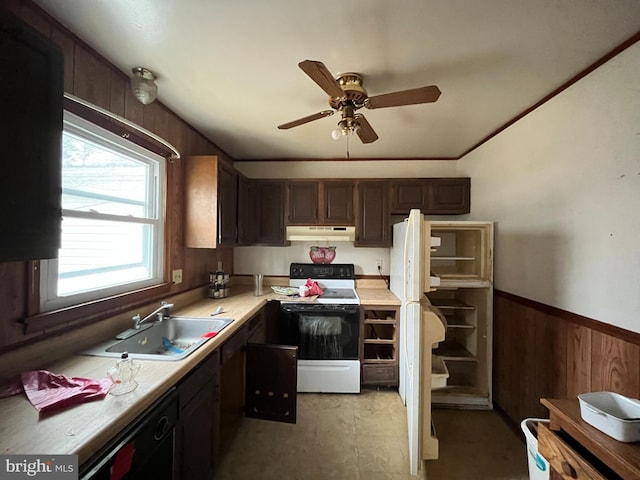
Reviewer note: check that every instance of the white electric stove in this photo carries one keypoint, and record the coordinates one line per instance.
(326, 330)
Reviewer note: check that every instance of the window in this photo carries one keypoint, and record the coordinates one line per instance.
(112, 218)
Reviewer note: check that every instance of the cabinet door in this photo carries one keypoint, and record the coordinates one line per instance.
(372, 216)
(337, 204)
(303, 203)
(246, 211)
(31, 99)
(272, 382)
(227, 204)
(197, 430)
(193, 437)
(270, 198)
(449, 196)
(408, 194)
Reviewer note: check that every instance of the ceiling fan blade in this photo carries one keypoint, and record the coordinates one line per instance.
(310, 118)
(322, 76)
(365, 131)
(405, 97)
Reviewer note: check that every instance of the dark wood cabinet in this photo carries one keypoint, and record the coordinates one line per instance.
(270, 209)
(227, 204)
(337, 203)
(407, 194)
(324, 202)
(432, 196)
(211, 202)
(196, 433)
(231, 387)
(372, 214)
(449, 196)
(31, 102)
(246, 211)
(303, 202)
(257, 379)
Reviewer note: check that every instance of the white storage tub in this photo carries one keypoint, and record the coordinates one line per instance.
(439, 372)
(614, 414)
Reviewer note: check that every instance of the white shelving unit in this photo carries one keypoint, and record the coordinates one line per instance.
(463, 262)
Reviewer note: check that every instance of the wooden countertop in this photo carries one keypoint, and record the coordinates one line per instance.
(377, 296)
(84, 429)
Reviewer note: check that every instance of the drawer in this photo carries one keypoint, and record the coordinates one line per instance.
(204, 374)
(384, 374)
(564, 459)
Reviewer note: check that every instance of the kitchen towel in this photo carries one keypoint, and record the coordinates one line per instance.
(49, 391)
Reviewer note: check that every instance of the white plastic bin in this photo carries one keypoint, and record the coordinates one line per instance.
(538, 466)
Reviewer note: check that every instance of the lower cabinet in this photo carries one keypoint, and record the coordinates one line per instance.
(257, 377)
(196, 432)
(379, 357)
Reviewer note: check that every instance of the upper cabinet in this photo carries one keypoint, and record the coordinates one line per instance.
(372, 217)
(407, 194)
(270, 211)
(211, 202)
(303, 202)
(246, 211)
(433, 196)
(449, 196)
(325, 202)
(31, 99)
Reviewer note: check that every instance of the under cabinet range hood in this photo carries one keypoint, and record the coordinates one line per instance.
(316, 233)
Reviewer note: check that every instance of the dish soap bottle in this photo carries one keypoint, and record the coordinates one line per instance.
(123, 375)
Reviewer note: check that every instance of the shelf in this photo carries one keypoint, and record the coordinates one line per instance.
(381, 352)
(450, 303)
(454, 259)
(379, 341)
(455, 323)
(451, 350)
(379, 321)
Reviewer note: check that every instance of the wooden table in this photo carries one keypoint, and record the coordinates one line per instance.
(576, 450)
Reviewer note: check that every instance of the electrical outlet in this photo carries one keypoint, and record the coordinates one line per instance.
(379, 264)
(176, 276)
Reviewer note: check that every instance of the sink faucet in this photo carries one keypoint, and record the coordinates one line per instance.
(161, 312)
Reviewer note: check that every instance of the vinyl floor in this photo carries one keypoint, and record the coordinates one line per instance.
(363, 437)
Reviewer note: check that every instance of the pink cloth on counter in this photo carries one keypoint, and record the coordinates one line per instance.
(49, 391)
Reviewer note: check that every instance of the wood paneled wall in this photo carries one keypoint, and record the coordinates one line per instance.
(540, 351)
(89, 76)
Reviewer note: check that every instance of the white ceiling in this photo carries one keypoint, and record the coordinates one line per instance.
(229, 67)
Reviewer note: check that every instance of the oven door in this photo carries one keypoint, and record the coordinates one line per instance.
(321, 331)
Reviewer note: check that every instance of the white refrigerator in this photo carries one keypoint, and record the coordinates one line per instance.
(406, 283)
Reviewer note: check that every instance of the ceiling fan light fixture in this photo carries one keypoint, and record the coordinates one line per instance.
(143, 85)
(336, 133)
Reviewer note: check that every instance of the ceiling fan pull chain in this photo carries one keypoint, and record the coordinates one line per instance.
(348, 147)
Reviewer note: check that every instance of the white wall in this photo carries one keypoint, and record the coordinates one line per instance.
(276, 260)
(563, 186)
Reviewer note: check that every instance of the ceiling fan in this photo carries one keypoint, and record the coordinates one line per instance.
(347, 95)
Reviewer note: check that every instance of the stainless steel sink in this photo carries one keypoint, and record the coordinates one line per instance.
(172, 339)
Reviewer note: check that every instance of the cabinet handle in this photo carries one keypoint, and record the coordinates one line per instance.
(569, 470)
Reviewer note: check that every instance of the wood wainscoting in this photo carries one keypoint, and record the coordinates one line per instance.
(542, 351)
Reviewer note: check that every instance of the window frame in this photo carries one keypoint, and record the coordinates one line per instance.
(48, 275)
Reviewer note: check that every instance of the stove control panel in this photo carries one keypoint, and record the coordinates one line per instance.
(338, 271)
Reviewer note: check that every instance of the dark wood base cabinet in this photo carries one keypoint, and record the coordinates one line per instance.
(196, 434)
